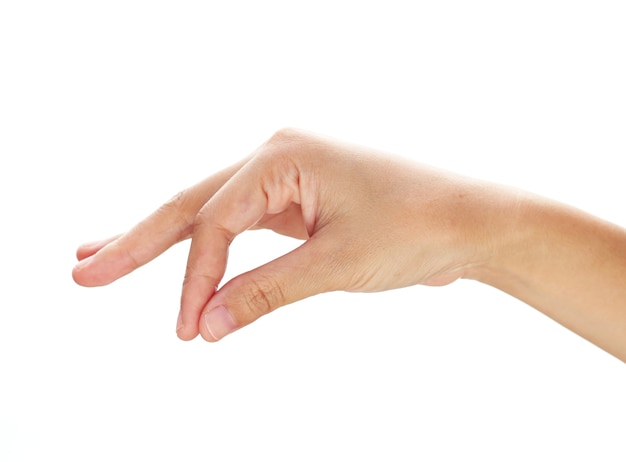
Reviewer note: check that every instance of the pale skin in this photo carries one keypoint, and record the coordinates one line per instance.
(369, 222)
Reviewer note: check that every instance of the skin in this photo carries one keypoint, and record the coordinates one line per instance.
(372, 222)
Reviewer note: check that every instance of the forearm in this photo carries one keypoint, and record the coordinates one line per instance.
(566, 263)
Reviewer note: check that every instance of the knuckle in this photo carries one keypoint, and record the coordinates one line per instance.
(177, 203)
(192, 277)
(261, 297)
(177, 199)
(176, 209)
(285, 134)
(286, 141)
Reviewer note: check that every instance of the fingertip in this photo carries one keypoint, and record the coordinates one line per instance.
(185, 336)
(78, 272)
(91, 273)
(184, 331)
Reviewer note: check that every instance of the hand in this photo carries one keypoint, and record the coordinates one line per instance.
(370, 222)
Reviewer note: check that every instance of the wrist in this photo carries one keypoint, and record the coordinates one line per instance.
(505, 235)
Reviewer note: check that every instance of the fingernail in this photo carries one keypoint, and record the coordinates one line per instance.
(82, 264)
(179, 322)
(219, 322)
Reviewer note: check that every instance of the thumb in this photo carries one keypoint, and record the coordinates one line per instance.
(299, 274)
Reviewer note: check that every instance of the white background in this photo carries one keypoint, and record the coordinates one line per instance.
(109, 108)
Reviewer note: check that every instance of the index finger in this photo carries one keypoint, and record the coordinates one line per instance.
(264, 186)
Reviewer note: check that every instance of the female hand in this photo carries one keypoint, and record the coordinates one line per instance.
(373, 222)
(370, 222)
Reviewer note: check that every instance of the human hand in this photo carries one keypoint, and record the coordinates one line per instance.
(370, 222)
